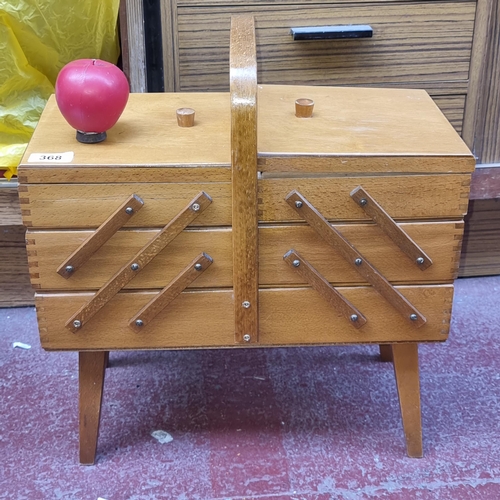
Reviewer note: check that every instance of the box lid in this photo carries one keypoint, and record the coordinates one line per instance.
(351, 130)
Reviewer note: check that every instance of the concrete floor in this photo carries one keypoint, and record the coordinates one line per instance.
(296, 423)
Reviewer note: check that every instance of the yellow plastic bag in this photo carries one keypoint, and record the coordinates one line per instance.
(37, 38)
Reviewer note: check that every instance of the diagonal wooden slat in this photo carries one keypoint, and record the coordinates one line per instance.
(139, 261)
(102, 234)
(391, 228)
(199, 265)
(324, 288)
(359, 263)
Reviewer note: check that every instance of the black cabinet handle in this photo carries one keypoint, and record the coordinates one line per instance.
(332, 32)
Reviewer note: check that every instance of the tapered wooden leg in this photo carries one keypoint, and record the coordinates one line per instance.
(385, 352)
(405, 357)
(106, 359)
(92, 365)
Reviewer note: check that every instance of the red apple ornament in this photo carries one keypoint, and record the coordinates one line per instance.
(91, 95)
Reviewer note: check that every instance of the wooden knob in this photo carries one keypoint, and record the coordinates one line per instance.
(304, 108)
(185, 117)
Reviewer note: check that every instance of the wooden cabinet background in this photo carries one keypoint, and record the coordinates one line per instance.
(449, 48)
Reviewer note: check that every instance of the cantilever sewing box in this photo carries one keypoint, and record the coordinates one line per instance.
(254, 227)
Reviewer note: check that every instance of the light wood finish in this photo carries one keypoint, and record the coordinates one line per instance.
(448, 194)
(348, 135)
(139, 261)
(136, 142)
(205, 319)
(441, 240)
(87, 206)
(52, 174)
(185, 117)
(391, 228)
(243, 89)
(304, 108)
(357, 122)
(357, 260)
(318, 283)
(84, 206)
(170, 292)
(92, 366)
(405, 358)
(103, 233)
(422, 182)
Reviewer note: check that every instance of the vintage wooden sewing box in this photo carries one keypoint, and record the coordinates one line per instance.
(254, 227)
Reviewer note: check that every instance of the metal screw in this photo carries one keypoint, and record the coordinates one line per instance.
(198, 267)
(77, 323)
(420, 260)
(195, 207)
(298, 204)
(413, 317)
(246, 304)
(354, 317)
(134, 266)
(69, 269)
(363, 202)
(139, 322)
(129, 210)
(358, 262)
(296, 263)
(246, 337)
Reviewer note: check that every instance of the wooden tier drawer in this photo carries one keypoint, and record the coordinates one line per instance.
(88, 206)
(440, 240)
(205, 319)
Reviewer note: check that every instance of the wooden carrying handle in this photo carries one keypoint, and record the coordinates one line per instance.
(243, 90)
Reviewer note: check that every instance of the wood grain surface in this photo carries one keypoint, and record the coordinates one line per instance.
(404, 197)
(405, 359)
(147, 313)
(357, 260)
(102, 234)
(143, 257)
(413, 42)
(356, 122)
(145, 134)
(80, 206)
(205, 319)
(325, 289)
(441, 240)
(91, 371)
(391, 228)
(243, 89)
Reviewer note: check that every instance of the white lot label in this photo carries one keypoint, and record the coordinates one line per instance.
(51, 157)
